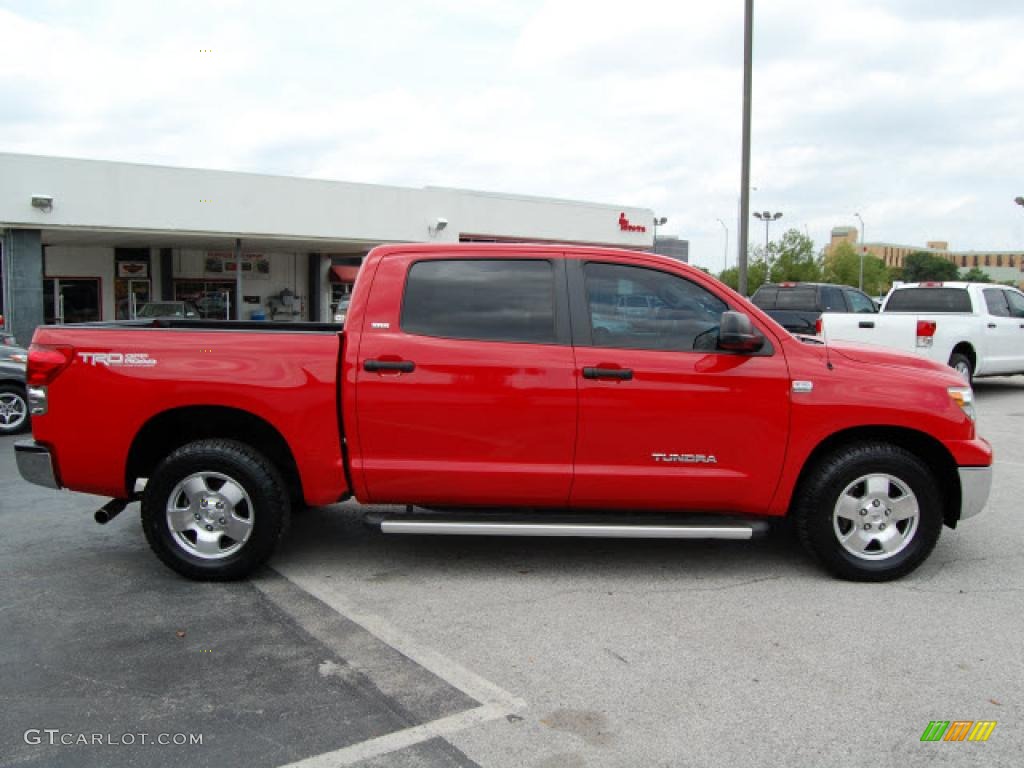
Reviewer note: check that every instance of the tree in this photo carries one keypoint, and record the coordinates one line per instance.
(757, 273)
(975, 275)
(792, 259)
(922, 266)
(842, 267)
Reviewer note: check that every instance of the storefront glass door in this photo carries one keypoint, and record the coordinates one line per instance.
(129, 295)
(214, 299)
(71, 300)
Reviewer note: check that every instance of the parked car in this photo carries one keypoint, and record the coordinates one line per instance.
(797, 306)
(474, 378)
(183, 309)
(12, 352)
(976, 328)
(14, 415)
(341, 310)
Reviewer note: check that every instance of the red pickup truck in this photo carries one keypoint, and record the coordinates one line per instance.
(509, 390)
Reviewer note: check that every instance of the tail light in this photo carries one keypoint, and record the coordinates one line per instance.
(45, 363)
(925, 332)
(818, 326)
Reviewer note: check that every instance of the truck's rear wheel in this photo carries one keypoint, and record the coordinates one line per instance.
(962, 364)
(214, 510)
(13, 409)
(869, 512)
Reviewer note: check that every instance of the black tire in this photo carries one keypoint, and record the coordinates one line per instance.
(264, 510)
(833, 480)
(14, 415)
(962, 363)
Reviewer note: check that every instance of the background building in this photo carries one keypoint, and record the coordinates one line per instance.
(673, 247)
(1000, 266)
(87, 240)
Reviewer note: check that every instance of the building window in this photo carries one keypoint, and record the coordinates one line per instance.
(976, 262)
(988, 260)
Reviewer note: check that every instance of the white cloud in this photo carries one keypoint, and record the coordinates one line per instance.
(907, 112)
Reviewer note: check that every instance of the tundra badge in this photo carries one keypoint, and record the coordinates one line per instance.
(684, 458)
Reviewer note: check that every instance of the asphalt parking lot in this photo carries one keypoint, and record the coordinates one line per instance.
(359, 649)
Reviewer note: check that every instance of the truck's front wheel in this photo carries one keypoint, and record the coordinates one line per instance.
(869, 512)
(214, 510)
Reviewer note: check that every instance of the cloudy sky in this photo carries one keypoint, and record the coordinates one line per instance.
(910, 112)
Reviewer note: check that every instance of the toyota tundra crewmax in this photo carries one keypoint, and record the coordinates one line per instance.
(509, 390)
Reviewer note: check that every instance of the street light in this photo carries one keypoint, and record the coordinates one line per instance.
(725, 255)
(862, 250)
(658, 222)
(1019, 201)
(767, 217)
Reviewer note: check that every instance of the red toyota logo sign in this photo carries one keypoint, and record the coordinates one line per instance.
(625, 226)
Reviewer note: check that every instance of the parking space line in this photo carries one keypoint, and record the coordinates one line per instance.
(457, 676)
(393, 742)
(495, 702)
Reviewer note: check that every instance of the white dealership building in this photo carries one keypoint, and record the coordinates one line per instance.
(87, 240)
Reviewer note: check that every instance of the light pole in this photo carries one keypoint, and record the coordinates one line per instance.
(748, 57)
(767, 217)
(862, 248)
(725, 254)
(658, 222)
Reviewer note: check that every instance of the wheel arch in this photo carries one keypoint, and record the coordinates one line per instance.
(939, 460)
(966, 349)
(171, 429)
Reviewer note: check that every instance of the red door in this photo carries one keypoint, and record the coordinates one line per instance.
(667, 421)
(470, 396)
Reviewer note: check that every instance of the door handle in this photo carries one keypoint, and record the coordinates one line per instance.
(866, 324)
(402, 366)
(991, 325)
(624, 374)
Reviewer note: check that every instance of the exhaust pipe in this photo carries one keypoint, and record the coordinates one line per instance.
(110, 510)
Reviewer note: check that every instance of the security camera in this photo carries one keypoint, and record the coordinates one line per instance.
(42, 202)
(440, 224)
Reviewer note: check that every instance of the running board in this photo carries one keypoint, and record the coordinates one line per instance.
(740, 531)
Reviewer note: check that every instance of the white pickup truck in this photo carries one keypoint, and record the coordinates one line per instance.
(977, 328)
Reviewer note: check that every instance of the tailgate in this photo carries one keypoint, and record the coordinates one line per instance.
(892, 331)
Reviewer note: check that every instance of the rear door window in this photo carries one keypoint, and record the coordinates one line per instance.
(995, 300)
(832, 299)
(859, 302)
(483, 299)
(1016, 302)
(929, 300)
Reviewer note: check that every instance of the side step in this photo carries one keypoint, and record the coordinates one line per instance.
(430, 525)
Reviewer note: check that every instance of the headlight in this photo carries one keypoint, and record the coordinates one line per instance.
(964, 397)
(19, 358)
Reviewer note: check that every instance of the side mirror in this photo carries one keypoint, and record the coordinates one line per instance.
(736, 334)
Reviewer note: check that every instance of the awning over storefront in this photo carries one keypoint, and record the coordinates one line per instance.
(344, 274)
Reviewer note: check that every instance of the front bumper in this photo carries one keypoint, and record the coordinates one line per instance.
(35, 463)
(975, 485)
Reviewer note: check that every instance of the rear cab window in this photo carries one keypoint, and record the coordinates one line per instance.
(799, 297)
(481, 299)
(929, 300)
